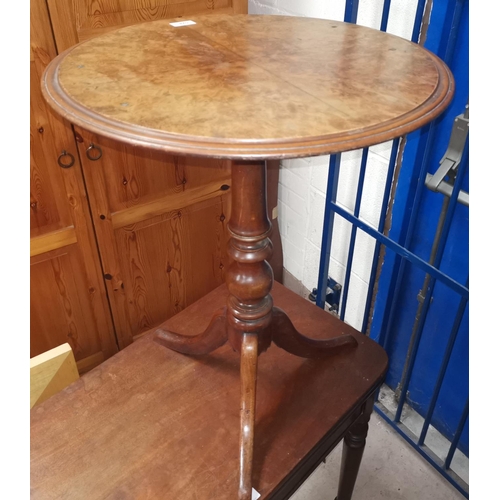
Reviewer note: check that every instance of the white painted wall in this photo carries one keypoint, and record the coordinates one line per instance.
(302, 186)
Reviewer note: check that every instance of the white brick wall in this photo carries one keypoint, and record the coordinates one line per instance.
(302, 186)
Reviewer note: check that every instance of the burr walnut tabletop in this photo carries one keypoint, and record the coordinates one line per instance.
(249, 87)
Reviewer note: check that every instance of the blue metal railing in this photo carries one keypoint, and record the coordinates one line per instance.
(420, 150)
(444, 365)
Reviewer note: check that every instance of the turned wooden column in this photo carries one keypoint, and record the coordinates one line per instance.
(249, 280)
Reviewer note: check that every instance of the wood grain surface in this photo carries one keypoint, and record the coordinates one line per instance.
(160, 222)
(67, 295)
(249, 86)
(80, 20)
(150, 423)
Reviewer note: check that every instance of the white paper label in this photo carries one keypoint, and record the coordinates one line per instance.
(255, 495)
(182, 23)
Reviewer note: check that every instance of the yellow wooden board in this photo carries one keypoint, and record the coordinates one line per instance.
(51, 372)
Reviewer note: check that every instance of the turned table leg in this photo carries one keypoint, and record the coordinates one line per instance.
(248, 374)
(249, 281)
(352, 452)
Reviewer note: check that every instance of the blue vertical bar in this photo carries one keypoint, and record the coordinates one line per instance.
(381, 223)
(430, 290)
(451, 18)
(351, 11)
(418, 21)
(452, 39)
(352, 242)
(326, 241)
(456, 438)
(385, 15)
(444, 367)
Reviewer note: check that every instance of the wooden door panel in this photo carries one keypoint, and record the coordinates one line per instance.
(49, 209)
(47, 212)
(139, 176)
(102, 16)
(177, 223)
(68, 297)
(52, 240)
(78, 20)
(57, 311)
(172, 260)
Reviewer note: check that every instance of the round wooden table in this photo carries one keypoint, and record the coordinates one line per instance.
(249, 88)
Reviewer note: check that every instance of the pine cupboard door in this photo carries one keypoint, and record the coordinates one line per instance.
(77, 20)
(68, 296)
(160, 222)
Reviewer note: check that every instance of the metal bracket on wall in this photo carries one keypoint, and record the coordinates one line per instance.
(332, 298)
(451, 160)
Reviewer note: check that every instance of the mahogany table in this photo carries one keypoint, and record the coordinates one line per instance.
(153, 424)
(249, 88)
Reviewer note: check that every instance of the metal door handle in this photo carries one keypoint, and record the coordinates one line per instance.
(67, 164)
(451, 160)
(93, 152)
